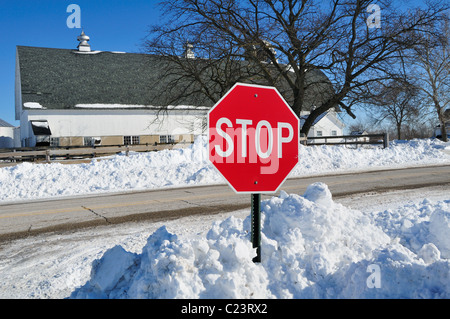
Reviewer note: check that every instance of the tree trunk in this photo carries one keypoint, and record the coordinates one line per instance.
(322, 109)
(311, 118)
(440, 112)
(443, 128)
(399, 131)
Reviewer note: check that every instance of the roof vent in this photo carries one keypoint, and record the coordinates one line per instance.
(189, 51)
(83, 46)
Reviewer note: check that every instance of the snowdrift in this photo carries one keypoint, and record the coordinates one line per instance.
(190, 166)
(312, 247)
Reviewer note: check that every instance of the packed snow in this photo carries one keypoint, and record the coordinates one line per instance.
(313, 246)
(190, 166)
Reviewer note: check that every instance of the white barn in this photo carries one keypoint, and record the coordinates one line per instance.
(77, 97)
(82, 97)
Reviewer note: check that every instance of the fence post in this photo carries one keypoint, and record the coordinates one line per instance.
(303, 139)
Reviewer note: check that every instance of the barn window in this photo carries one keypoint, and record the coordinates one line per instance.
(92, 141)
(166, 139)
(131, 140)
(54, 141)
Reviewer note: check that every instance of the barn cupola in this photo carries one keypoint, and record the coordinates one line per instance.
(189, 51)
(83, 46)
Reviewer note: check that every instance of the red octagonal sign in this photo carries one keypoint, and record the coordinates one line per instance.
(253, 138)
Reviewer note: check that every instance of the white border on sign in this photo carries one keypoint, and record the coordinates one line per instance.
(298, 135)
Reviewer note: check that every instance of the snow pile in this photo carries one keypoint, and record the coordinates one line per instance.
(166, 168)
(312, 247)
(190, 166)
(327, 158)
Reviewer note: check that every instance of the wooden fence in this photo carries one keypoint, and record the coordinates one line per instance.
(368, 139)
(65, 153)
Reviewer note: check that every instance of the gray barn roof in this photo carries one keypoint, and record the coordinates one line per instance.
(5, 124)
(63, 78)
(60, 78)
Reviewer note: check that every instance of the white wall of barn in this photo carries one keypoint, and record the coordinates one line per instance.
(74, 123)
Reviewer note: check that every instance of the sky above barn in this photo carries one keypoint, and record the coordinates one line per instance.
(113, 25)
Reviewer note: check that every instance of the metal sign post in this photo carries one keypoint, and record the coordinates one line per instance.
(256, 225)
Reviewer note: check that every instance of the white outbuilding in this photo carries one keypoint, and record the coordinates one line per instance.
(9, 135)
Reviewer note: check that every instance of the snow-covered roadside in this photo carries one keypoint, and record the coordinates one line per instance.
(189, 167)
(313, 247)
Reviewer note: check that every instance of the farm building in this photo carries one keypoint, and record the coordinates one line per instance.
(83, 97)
(326, 124)
(9, 135)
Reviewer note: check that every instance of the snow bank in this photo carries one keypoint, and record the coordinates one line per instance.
(326, 158)
(312, 247)
(190, 166)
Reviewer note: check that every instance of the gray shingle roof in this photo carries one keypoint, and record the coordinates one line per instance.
(5, 124)
(60, 78)
(63, 78)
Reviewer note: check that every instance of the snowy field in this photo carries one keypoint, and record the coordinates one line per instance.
(395, 245)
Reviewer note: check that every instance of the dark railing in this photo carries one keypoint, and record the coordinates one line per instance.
(49, 154)
(372, 139)
(63, 153)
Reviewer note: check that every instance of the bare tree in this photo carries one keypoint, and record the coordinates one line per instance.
(430, 61)
(323, 53)
(399, 103)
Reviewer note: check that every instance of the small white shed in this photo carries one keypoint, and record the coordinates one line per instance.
(8, 135)
(326, 124)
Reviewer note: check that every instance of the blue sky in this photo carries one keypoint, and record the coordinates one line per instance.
(113, 25)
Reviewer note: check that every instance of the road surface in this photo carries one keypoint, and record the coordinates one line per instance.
(21, 219)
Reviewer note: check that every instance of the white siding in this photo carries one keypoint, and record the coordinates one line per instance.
(6, 137)
(73, 123)
(325, 127)
(328, 124)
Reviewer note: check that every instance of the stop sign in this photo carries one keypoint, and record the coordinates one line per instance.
(253, 138)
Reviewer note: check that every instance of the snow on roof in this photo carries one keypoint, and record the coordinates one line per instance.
(133, 106)
(33, 105)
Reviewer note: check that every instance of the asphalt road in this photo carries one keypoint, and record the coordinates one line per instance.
(21, 219)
